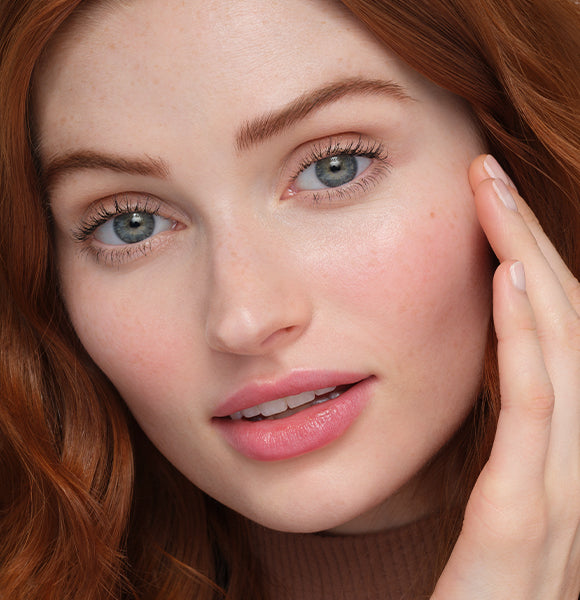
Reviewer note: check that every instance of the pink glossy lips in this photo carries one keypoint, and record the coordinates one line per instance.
(297, 415)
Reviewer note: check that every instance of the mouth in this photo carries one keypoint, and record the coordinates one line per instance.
(281, 408)
(292, 416)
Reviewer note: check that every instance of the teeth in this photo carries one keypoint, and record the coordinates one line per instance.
(280, 405)
(300, 399)
(253, 411)
(324, 391)
(273, 407)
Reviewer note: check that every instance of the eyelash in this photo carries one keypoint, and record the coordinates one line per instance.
(126, 203)
(362, 183)
(121, 204)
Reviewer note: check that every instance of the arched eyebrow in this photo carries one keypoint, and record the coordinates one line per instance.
(254, 132)
(60, 165)
(264, 127)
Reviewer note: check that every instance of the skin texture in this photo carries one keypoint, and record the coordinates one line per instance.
(256, 279)
(520, 533)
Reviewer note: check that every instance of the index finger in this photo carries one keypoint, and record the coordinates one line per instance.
(485, 167)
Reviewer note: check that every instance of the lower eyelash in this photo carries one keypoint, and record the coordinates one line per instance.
(346, 192)
(117, 256)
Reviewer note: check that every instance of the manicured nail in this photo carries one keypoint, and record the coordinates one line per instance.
(504, 194)
(494, 170)
(518, 276)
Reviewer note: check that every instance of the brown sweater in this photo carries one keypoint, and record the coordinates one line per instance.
(389, 565)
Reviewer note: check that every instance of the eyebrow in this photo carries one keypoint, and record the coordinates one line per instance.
(87, 159)
(262, 128)
(252, 133)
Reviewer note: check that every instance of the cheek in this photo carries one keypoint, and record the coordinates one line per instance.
(421, 288)
(131, 336)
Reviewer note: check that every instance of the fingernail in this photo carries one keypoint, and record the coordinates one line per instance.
(518, 276)
(504, 194)
(494, 170)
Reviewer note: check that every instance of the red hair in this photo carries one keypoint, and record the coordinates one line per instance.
(80, 515)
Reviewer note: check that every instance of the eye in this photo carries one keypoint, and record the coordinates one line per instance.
(131, 228)
(332, 172)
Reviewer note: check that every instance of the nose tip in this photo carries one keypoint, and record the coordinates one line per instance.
(246, 334)
(251, 332)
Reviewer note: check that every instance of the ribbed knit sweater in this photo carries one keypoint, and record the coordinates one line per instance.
(389, 565)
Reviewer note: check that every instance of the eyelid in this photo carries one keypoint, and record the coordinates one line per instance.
(106, 209)
(355, 144)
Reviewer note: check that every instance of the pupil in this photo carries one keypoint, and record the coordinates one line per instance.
(136, 221)
(335, 164)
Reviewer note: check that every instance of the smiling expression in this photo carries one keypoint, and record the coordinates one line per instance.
(244, 213)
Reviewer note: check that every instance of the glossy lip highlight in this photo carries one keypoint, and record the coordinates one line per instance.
(299, 433)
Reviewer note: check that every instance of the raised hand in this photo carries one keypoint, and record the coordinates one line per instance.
(521, 533)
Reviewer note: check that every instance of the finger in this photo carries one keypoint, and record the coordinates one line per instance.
(557, 321)
(486, 167)
(511, 239)
(517, 463)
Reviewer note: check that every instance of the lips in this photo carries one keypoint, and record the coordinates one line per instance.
(260, 393)
(294, 416)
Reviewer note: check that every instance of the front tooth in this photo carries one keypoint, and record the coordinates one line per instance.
(253, 411)
(273, 407)
(324, 391)
(300, 399)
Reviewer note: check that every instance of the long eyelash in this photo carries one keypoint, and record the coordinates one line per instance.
(122, 204)
(359, 148)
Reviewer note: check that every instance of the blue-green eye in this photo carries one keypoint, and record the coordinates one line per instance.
(332, 172)
(131, 228)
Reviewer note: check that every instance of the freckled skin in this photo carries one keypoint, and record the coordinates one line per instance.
(394, 283)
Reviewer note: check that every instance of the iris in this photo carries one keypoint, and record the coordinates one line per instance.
(336, 170)
(135, 227)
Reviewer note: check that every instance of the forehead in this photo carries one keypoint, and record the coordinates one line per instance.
(151, 66)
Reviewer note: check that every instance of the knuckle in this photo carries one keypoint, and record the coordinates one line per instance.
(539, 400)
(514, 519)
(541, 405)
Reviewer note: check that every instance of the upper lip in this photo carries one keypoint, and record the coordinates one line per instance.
(259, 392)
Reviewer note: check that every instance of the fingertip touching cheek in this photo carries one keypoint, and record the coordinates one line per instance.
(272, 254)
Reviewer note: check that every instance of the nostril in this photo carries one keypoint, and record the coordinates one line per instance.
(279, 334)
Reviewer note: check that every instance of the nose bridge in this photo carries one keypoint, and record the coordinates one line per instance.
(256, 300)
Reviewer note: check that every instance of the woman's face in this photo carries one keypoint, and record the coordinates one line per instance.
(295, 216)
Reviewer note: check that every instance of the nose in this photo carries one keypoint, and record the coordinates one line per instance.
(257, 301)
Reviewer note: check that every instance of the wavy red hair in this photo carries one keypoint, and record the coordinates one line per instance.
(88, 508)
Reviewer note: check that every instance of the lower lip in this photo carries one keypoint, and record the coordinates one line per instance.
(305, 431)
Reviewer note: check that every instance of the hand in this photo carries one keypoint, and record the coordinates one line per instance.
(521, 533)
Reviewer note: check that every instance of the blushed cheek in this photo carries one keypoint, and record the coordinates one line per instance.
(418, 285)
